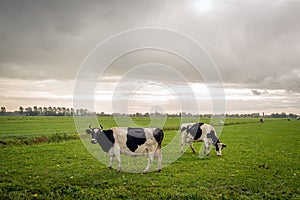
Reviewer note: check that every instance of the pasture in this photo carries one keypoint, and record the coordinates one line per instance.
(261, 161)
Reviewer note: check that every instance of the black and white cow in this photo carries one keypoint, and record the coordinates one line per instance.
(195, 132)
(129, 141)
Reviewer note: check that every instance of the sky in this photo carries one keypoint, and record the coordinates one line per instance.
(254, 45)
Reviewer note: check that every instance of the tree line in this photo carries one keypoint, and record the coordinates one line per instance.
(63, 111)
(46, 111)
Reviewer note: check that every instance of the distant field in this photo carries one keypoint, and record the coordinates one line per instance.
(261, 161)
(32, 126)
(37, 129)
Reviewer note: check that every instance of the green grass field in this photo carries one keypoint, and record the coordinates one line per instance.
(261, 161)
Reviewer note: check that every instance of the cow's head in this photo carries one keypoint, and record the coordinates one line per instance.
(219, 148)
(95, 132)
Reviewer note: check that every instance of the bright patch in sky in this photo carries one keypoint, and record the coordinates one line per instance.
(203, 6)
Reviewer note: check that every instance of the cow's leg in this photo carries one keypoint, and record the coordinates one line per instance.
(191, 145)
(150, 160)
(111, 154)
(206, 149)
(181, 147)
(207, 144)
(182, 143)
(111, 158)
(117, 153)
(159, 159)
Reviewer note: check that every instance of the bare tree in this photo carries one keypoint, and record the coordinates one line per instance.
(3, 110)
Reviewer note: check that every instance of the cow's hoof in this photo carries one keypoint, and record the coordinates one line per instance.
(159, 170)
(109, 167)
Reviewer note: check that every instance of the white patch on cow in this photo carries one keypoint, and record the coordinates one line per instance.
(220, 146)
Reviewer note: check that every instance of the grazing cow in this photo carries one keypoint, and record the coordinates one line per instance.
(262, 120)
(195, 132)
(129, 141)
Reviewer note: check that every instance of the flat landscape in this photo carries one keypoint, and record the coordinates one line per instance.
(44, 158)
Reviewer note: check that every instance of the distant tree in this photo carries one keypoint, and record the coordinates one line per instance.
(64, 110)
(28, 111)
(3, 110)
(49, 113)
(35, 111)
(58, 111)
(45, 111)
(40, 111)
(283, 115)
(68, 112)
(21, 110)
(54, 111)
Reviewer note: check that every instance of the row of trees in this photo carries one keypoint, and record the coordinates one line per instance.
(63, 111)
(46, 111)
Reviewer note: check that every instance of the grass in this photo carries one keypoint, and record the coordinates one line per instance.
(261, 161)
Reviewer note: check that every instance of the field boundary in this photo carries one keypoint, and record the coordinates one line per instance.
(23, 140)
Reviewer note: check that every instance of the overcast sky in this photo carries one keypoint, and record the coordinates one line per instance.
(255, 45)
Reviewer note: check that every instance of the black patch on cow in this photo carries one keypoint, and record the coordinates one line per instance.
(183, 128)
(217, 147)
(105, 139)
(215, 140)
(159, 136)
(109, 135)
(195, 130)
(135, 138)
(213, 136)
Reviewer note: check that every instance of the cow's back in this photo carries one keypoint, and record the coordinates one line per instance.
(210, 133)
(136, 141)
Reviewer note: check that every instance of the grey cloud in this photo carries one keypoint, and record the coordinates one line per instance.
(288, 81)
(254, 43)
(257, 92)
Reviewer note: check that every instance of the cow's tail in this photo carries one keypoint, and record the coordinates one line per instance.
(159, 136)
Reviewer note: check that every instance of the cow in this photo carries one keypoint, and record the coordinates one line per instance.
(262, 120)
(129, 141)
(195, 132)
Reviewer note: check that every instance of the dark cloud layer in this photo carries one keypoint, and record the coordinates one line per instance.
(255, 43)
(249, 40)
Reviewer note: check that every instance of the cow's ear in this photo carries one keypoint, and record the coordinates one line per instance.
(88, 131)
